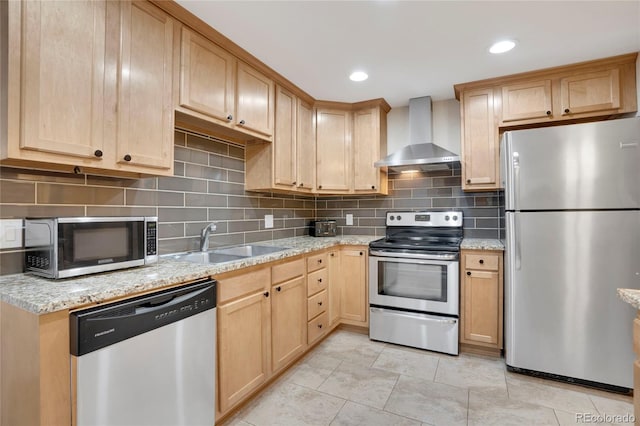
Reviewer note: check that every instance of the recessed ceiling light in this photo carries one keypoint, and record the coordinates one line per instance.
(502, 46)
(358, 76)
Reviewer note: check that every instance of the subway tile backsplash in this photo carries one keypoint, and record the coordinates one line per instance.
(208, 186)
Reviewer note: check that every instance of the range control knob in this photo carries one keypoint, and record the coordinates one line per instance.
(446, 217)
(391, 217)
(455, 218)
(398, 217)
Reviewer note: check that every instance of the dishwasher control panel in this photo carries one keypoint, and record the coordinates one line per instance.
(102, 326)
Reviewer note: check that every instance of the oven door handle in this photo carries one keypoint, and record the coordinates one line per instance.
(422, 317)
(389, 253)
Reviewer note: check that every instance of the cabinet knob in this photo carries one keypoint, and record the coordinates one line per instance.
(548, 112)
(481, 261)
(301, 184)
(127, 157)
(319, 260)
(279, 288)
(468, 272)
(468, 180)
(320, 303)
(373, 187)
(566, 111)
(319, 325)
(319, 186)
(293, 183)
(361, 253)
(333, 254)
(266, 294)
(241, 122)
(319, 280)
(97, 153)
(229, 117)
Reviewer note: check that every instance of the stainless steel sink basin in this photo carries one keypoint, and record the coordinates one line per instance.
(227, 254)
(205, 257)
(248, 250)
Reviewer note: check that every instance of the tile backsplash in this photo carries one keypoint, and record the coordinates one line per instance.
(208, 186)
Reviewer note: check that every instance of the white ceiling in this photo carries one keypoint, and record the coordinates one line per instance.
(417, 48)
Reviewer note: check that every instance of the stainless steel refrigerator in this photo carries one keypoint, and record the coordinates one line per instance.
(572, 213)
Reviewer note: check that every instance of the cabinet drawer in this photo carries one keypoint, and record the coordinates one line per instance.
(316, 281)
(241, 285)
(316, 304)
(317, 327)
(316, 262)
(287, 271)
(488, 262)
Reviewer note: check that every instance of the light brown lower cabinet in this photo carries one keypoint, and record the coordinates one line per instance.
(481, 301)
(354, 295)
(335, 288)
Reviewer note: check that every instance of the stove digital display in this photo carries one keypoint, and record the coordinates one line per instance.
(423, 218)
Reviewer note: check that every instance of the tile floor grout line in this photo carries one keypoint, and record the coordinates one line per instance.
(338, 412)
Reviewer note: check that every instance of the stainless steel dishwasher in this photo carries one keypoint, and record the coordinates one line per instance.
(149, 360)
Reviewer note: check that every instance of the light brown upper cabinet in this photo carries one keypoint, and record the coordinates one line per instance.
(588, 91)
(287, 164)
(479, 140)
(217, 88)
(90, 84)
(369, 145)
(333, 150)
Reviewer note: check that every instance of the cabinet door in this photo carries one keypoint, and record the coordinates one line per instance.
(590, 92)
(288, 321)
(305, 148)
(284, 142)
(145, 88)
(526, 101)
(354, 286)
(254, 101)
(366, 149)
(335, 287)
(480, 307)
(207, 77)
(243, 347)
(61, 76)
(480, 140)
(333, 150)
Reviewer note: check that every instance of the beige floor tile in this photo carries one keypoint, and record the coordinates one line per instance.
(543, 392)
(290, 404)
(429, 402)
(352, 347)
(614, 410)
(313, 370)
(472, 372)
(486, 409)
(414, 364)
(366, 385)
(353, 414)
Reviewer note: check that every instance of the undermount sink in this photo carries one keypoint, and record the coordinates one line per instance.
(228, 254)
(248, 250)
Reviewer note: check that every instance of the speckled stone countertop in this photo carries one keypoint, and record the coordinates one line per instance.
(631, 296)
(40, 295)
(481, 244)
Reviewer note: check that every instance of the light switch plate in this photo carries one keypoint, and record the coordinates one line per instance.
(268, 221)
(10, 233)
(349, 218)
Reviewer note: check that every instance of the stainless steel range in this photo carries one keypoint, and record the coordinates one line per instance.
(414, 281)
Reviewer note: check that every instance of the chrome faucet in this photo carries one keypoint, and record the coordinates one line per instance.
(204, 237)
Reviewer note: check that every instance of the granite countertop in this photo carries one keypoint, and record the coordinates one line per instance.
(631, 296)
(481, 244)
(41, 295)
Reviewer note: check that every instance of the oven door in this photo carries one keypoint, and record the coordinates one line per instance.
(415, 284)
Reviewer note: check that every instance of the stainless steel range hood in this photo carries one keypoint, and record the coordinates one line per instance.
(421, 153)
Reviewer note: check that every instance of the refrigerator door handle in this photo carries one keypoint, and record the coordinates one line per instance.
(516, 180)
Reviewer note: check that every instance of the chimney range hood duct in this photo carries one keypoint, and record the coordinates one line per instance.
(421, 153)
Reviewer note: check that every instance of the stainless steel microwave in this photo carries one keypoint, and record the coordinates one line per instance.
(66, 247)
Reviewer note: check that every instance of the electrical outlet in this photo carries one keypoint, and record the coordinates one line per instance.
(349, 218)
(10, 233)
(268, 221)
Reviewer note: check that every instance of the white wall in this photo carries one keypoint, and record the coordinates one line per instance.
(446, 126)
(638, 82)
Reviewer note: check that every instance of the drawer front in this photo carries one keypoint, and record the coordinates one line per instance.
(316, 281)
(488, 262)
(317, 304)
(317, 327)
(241, 285)
(316, 262)
(287, 271)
